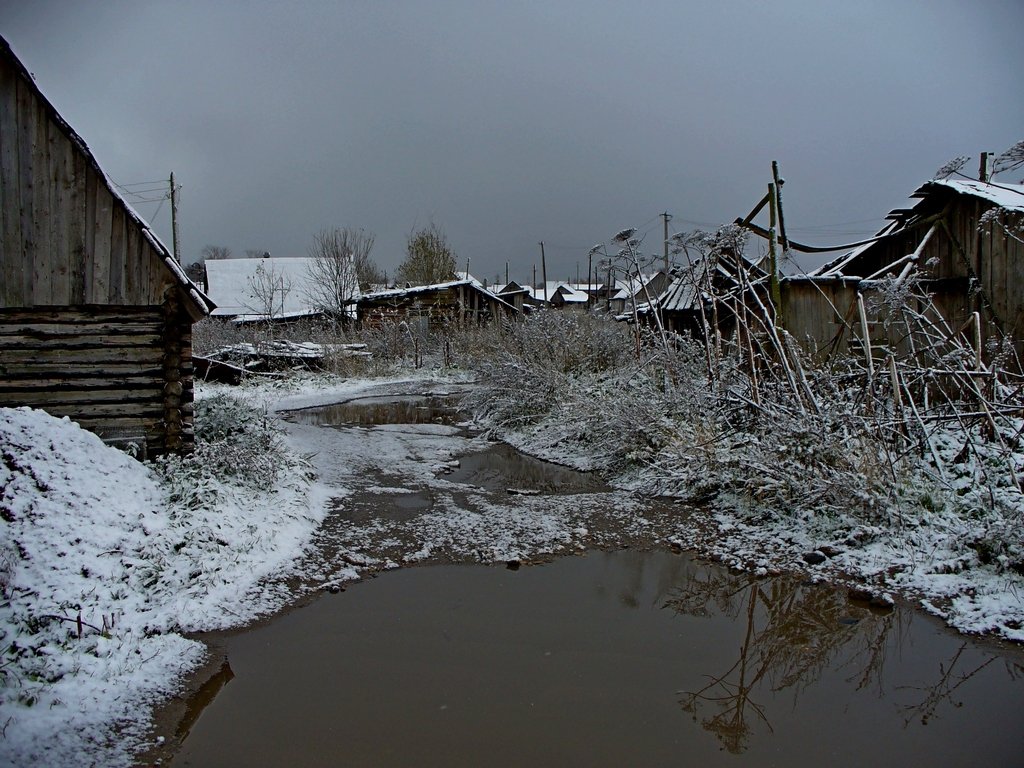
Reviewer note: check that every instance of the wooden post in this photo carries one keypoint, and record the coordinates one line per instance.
(544, 271)
(590, 277)
(773, 264)
(666, 217)
(778, 205)
(175, 241)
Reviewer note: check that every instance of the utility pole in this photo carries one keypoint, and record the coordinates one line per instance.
(544, 271)
(667, 219)
(984, 167)
(779, 181)
(175, 242)
(773, 277)
(590, 278)
(506, 273)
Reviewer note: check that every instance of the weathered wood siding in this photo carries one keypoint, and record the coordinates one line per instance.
(955, 255)
(65, 239)
(94, 324)
(121, 372)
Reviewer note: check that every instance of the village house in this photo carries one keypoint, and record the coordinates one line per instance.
(431, 305)
(95, 313)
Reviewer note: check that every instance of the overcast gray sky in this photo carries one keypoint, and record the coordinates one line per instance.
(508, 123)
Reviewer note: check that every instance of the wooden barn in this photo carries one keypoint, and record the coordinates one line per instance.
(95, 313)
(964, 265)
(431, 305)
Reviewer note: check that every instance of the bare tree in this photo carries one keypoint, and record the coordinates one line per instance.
(267, 291)
(429, 259)
(256, 253)
(216, 252)
(334, 268)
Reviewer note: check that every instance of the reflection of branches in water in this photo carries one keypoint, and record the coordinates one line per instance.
(792, 635)
(942, 690)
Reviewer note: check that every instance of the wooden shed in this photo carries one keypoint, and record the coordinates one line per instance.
(430, 305)
(95, 313)
(965, 266)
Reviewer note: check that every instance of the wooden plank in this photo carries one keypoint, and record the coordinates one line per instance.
(30, 183)
(90, 238)
(104, 411)
(118, 254)
(85, 314)
(81, 371)
(62, 164)
(129, 270)
(101, 250)
(66, 329)
(150, 356)
(42, 181)
(11, 238)
(82, 341)
(77, 218)
(35, 398)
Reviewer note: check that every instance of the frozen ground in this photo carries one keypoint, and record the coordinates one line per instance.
(95, 616)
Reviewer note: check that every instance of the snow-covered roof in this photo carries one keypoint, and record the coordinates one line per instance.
(1008, 196)
(631, 286)
(573, 296)
(395, 293)
(231, 285)
(464, 275)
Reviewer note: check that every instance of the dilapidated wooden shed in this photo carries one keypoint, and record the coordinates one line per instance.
(95, 313)
(963, 263)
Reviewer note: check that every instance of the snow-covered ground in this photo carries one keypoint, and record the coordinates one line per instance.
(92, 536)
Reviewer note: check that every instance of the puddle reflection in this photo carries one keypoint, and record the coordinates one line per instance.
(605, 660)
(385, 409)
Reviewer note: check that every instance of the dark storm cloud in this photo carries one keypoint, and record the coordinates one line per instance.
(510, 123)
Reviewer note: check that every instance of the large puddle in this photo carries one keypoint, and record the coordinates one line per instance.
(611, 659)
(381, 409)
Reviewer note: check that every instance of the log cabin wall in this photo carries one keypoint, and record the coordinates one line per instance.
(94, 324)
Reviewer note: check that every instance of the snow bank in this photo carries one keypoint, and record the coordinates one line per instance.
(102, 564)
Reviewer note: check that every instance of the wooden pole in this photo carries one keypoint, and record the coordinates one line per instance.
(773, 263)
(666, 217)
(175, 240)
(590, 277)
(778, 205)
(544, 271)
